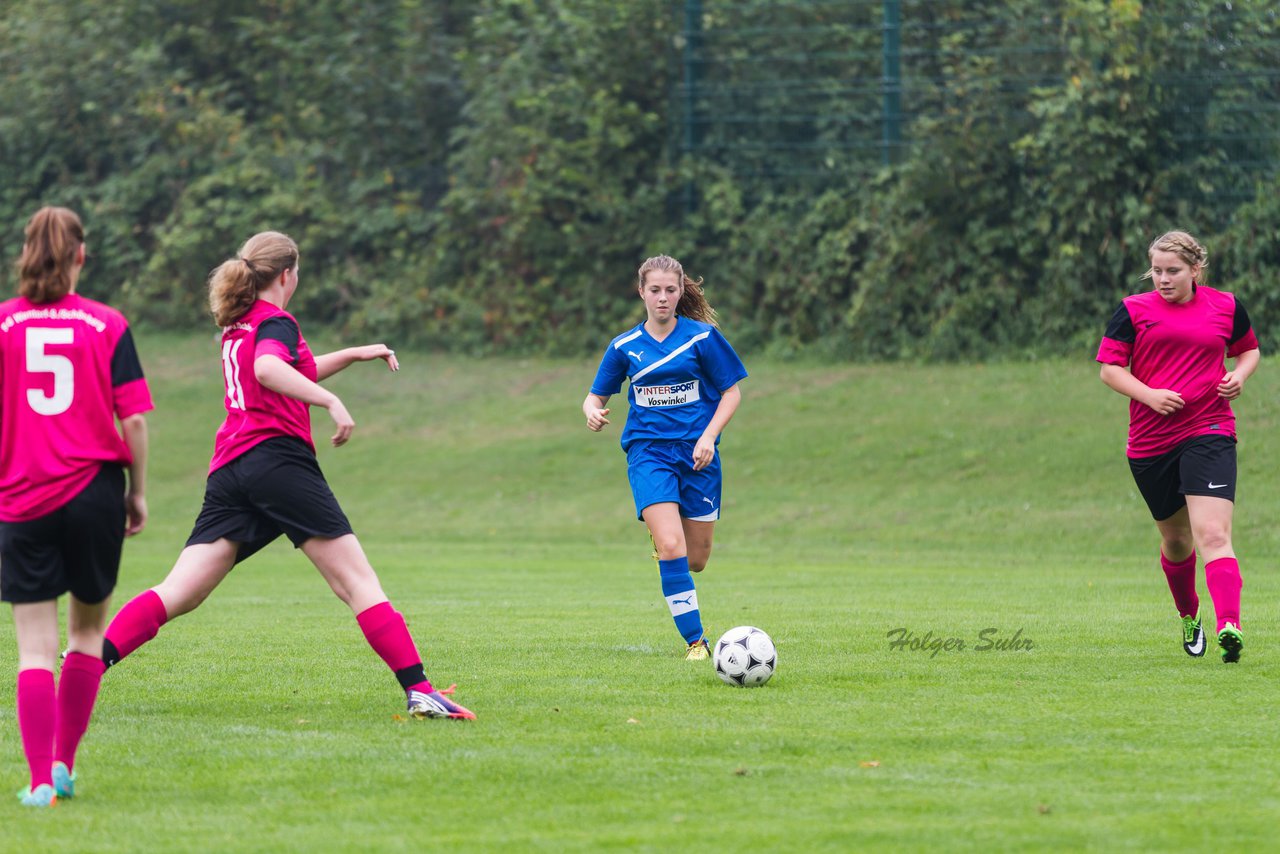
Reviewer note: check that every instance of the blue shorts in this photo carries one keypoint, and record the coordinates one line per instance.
(663, 471)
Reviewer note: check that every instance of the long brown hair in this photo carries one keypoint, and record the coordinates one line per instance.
(234, 284)
(53, 239)
(693, 303)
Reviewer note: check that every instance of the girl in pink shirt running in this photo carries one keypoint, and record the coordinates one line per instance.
(1165, 349)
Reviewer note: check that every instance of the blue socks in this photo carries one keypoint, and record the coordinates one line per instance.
(682, 599)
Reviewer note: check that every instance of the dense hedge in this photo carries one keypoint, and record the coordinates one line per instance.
(485, 177)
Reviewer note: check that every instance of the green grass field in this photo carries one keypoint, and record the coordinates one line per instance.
(859, 499)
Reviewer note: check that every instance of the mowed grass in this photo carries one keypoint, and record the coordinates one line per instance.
(948, 502)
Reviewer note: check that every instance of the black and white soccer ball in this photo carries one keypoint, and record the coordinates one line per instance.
(745, 657)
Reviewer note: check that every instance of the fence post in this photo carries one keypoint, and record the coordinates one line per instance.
(891, 80)
(692, 46)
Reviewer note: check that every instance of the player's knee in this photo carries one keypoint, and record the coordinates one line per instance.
(669, 548)
(1215, 538)
(1177, 547)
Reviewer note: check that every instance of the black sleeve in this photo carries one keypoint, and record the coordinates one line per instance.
(281, 329)
(1121, 326)
(125, 367)
(1240, 326)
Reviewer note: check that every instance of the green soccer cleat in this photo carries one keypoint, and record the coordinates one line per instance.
(41, 796)
(1193, 636)
(64, 782)
(1231, 642)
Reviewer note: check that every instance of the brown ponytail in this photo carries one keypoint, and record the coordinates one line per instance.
(53, 239)
(234, 284)
(693, 303)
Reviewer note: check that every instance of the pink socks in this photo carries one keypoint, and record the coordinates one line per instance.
(1222, 577)
(77, 692)
(37, 711)
(385, 630)
(138, 621)
(1182, 583)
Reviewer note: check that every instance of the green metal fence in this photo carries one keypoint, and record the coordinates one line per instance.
(783, 93)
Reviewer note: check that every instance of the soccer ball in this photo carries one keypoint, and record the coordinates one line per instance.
(745, 657)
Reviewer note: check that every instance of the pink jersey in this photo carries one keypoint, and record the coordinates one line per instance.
(256, 413)
(1181, 347)
(68, 369)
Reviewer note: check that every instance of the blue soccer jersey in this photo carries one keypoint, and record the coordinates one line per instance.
(676, 383)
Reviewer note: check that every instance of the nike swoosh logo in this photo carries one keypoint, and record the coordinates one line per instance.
(1218, 485)
(1197, 647)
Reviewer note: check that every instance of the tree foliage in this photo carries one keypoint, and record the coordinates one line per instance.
(487, 176)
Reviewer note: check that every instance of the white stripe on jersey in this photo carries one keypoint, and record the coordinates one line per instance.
(633, 336)
(676, 352)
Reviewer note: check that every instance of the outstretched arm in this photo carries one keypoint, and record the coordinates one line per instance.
(330, 363)
(279, 376)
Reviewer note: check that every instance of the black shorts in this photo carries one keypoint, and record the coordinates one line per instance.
(75, 549)
(1203, 465)
(273, 488)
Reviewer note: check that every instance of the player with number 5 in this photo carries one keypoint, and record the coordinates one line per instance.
(264, 479)
(68, 371)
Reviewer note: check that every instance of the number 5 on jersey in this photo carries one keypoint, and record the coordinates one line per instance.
(40, 362)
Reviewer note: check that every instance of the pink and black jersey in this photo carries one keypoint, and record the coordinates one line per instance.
(1182, 347)
(256, 413)
(68, 369)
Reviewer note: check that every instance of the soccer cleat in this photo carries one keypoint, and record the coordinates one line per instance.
(698, 651)
(64, 782)
(1193, 636)
(437, 705)
(1231, 642)
(42, 796)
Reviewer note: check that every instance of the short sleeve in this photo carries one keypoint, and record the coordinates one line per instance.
(721, 363)
(1242, 338)
(1117, 342)
(613, 369)
(129, 390)
(278, 336)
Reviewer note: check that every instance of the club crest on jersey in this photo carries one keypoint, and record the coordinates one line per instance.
(668, 394)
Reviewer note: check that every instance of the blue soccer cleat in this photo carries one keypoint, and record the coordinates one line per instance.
(64, 782)
(41, 796)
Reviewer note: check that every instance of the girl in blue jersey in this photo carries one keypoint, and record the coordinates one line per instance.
(683, 391)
